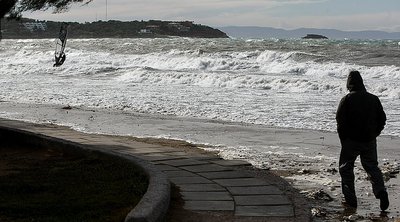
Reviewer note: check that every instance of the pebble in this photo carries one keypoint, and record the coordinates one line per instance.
(318, 212)
(332, 171)
(353, 217)
(304, 171)
(319, 195)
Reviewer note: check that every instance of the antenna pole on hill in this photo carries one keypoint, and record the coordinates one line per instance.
(106, 11)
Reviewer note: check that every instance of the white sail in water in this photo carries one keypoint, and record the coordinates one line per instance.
(61, 42)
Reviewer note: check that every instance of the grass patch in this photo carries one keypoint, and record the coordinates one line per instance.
(49, 185)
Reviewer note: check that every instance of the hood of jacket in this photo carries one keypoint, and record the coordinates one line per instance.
(355, 82)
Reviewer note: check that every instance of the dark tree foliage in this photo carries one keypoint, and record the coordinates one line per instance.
(14, 8)
(6, 6)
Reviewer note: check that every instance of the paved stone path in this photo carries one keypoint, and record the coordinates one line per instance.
(206, 182)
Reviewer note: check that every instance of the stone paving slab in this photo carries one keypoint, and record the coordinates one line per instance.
(239, 182)
(206, 195)
(265, 211)
(164, 168)
(206, 168)
(179, 173)
(254, 190)
(159, 157)
(231, 162)
(209, 205)
(141, 151)
(206, 158)
(201, 187)
(178, 153)
(225, 175)
(254, 200)
(182, 162)
(189, 180)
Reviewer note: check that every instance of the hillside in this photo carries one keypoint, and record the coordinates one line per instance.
(28, 28)
(267, 32)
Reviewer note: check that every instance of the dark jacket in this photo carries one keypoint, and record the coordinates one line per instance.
(360, 115)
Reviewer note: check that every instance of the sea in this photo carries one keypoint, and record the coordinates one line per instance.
(227, 94)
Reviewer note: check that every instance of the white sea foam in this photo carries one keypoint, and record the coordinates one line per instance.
(226, 80)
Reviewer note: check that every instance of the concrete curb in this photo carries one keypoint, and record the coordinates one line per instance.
(154, 204)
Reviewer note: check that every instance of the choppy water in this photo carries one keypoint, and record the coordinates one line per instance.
(285, 83)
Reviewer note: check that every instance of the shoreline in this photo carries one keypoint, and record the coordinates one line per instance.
(305, 159)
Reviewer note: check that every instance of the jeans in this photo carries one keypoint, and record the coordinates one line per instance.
(369, 159)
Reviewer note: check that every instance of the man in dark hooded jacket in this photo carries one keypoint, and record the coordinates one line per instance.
(360, 119)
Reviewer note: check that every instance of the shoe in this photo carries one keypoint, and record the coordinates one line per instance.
(350, 201)
(349, 205)
(348, 210)
(384, 200)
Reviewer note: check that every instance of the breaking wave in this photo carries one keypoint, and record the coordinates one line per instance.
(217, 79)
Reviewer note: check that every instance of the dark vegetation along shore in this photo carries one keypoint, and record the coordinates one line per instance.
(45, 184)
(28, 28)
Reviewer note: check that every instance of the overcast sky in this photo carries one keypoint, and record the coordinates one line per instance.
(288, 14)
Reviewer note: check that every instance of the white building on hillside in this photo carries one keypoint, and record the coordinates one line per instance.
(32, 26)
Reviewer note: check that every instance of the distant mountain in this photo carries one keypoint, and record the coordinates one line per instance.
(267, 32)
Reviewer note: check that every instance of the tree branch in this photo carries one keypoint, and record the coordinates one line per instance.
(14, 8)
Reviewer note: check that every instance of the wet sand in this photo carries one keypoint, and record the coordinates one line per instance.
(306, 159)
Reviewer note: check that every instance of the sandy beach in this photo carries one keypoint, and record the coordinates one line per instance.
(305, 159)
